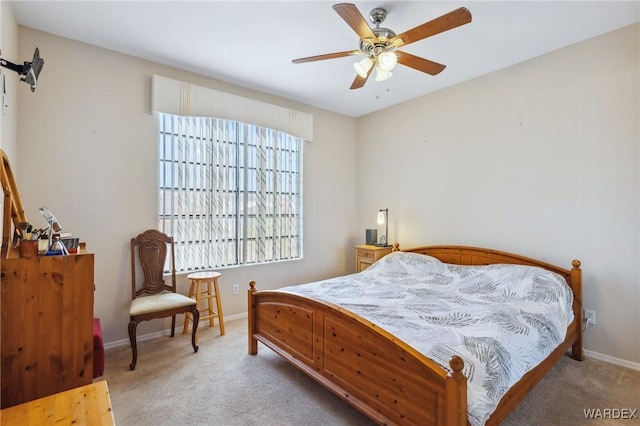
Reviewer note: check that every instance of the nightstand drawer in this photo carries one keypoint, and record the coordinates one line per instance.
(366, 254)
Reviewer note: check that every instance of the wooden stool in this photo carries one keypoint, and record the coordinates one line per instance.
(200, 290)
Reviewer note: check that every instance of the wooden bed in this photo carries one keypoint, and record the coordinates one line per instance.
(380, 375)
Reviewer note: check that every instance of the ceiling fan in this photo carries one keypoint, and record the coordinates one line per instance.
(380, 44)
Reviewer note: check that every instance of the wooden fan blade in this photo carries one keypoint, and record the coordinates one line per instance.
(351, 15)
(420, 64)
(360, 81)
(326, 56)
(446, 22)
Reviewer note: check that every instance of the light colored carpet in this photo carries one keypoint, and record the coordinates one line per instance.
(222, 385)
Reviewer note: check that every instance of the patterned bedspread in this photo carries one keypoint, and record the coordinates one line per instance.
(502, 320)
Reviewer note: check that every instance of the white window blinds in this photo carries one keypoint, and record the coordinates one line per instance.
(229, 193)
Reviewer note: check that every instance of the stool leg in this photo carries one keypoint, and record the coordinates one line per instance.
(219, 305)
(209, 304)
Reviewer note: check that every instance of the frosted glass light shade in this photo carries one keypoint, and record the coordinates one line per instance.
(362, 67)
(387, 61)
(382, 75)
(381, 218)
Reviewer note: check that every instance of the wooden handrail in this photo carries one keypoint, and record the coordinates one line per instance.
(13, 208)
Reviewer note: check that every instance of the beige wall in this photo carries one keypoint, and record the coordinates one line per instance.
(540, 159)
(9, 115)
(87, 145)
(9, 49)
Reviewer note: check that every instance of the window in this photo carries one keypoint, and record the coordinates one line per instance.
(229, 193)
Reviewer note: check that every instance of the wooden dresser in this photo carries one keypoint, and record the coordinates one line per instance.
(367, 254)
(46, 325)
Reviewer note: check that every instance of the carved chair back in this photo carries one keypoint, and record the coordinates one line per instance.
(151, 247)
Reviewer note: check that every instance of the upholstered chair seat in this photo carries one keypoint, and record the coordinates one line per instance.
(158, 302)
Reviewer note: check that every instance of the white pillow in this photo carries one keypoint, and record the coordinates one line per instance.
(400, 262)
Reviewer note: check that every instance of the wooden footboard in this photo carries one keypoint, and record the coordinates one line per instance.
(378, 374)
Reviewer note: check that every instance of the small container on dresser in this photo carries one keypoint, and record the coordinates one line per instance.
(366, 255)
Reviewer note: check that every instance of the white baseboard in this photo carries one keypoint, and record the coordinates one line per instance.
(149, 336)
(612, 360)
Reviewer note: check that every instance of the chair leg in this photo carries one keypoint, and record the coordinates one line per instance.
(173, 325)
(194, 327)
(134, 347)
(187, 318)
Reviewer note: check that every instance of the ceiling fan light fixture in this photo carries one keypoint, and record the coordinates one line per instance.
(379, 44)
(382, 75)
(362, 67)
(387, 61)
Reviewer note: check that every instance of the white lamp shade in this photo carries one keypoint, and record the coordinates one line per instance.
(387, 61)
(380, 218)
(382, 75)
(362, 67)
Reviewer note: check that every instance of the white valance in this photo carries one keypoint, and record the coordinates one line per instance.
(178, 97)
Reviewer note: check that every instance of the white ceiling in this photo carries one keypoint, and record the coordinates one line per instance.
(252, 43)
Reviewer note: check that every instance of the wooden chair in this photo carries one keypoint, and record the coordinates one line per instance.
(155, 298)
(13, 211)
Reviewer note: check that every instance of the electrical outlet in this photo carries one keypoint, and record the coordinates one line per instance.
(590, 317)
(235, 289)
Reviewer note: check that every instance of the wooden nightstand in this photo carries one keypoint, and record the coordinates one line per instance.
(366, 255)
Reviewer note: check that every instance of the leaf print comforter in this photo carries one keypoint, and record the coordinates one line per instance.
(502, 320)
